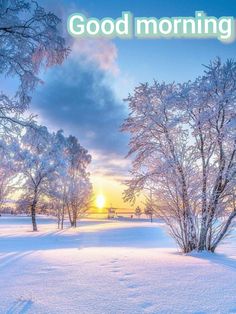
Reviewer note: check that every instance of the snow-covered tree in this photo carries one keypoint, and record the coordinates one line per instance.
(29, 40)
(149, 209)
(39, 160)
(71, 190)
(213, 118)
(138, 212)
(183, 139)
(58, 197)
(7, 171)
(78, 189)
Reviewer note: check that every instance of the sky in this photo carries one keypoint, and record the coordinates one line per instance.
(85, 95)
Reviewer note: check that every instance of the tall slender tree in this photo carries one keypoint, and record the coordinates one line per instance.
(39, 160)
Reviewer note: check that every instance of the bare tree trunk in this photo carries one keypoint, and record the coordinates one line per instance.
(58, 218)
(189, 226)
(202, 238)
(63, 208)
(33, 215)
(223, 232)
(209, 239)
(63, 217)
(70, 218)
(203, 230)
(74, 218)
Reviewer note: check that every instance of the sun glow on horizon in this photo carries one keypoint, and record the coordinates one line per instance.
(100, 201)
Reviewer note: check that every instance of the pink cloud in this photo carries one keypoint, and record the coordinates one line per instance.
(101, 51)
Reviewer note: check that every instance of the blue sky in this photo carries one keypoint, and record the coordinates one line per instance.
(136, 61)
(165, 59)
(85, 95)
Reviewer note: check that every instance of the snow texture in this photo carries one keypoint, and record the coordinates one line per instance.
(109, 267)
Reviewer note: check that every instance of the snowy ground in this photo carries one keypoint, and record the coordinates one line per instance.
(118, 267)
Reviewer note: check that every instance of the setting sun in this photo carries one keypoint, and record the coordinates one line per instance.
(100, 201)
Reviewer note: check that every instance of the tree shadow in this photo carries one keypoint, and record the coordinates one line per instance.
(216, 258)
(130, 236)
(8, 259)
(20, 307)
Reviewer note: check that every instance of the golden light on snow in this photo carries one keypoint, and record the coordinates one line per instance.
(100, 201)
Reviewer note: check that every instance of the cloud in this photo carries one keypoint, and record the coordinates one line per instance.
(111, 165)
(78, 98)
(101, 51)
